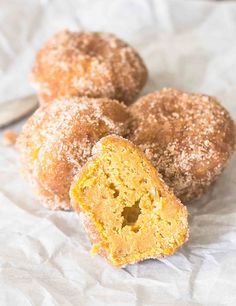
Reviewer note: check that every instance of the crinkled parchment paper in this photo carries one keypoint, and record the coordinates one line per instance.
(44, 255)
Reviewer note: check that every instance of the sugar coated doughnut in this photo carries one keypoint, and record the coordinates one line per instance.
(57, 140)
(89, 64)
(188, 137)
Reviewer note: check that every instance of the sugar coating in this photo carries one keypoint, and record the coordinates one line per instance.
(89, 64)
(188, 137)
(58, 139)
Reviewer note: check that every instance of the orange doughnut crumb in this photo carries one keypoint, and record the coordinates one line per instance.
(128, 211)
(9, 138)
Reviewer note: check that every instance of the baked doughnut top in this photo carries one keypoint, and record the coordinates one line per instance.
(89, 64)
(58, 139)
(188, 137)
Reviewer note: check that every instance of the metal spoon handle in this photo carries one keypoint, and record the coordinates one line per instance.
(13, 110)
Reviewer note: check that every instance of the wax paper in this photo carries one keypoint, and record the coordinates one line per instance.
(44, 255)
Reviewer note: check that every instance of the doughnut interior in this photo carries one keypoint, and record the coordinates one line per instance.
(129, 213)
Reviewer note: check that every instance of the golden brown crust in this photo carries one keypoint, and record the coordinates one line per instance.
(175, 206)
(57, 140)
(188, 137)
(89, 64)
(93, 233)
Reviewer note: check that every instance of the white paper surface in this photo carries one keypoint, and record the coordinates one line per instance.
(44, 255)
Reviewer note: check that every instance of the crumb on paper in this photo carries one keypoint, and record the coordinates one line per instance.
(9, 138)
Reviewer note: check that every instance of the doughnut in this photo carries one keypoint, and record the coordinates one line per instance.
(127, 210)
(88, 64)
(57, 140)
(188, 137)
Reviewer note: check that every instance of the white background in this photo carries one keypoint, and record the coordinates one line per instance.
(44, 255)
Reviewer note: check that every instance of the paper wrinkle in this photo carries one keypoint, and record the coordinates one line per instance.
(44, 255)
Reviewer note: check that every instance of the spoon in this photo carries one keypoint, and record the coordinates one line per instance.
(14, 110)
